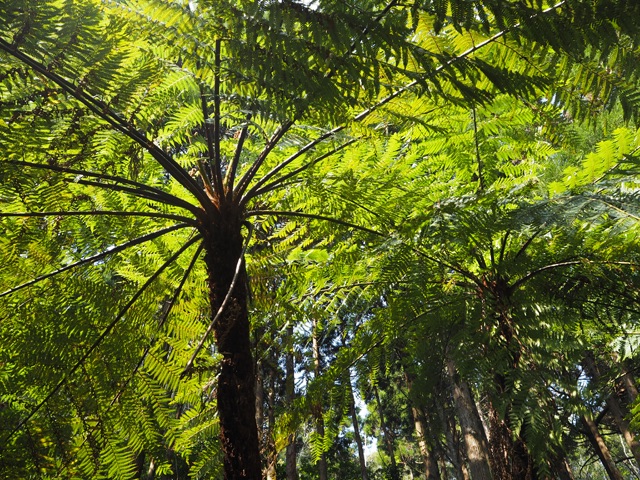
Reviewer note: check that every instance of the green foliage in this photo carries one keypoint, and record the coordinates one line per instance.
(410, 171)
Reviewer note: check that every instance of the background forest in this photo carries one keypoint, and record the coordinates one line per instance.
(338, 239)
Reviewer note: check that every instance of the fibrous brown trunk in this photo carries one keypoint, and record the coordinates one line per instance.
(476, 444)
(509, 457)
(236, 381)
(601, 448)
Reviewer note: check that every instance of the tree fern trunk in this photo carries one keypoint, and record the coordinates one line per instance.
(236, 381)
(509, 457)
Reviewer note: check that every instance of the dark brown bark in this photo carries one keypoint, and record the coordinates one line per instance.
(356, 429)
(601, 448)
(475, 441)
(561, 467)
(509, 456)
(508, 453)
(236, 381)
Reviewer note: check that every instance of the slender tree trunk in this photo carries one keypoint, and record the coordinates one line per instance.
(601, 448)
(441, 458)
(629, 384)
(270, 446)
(420, 423)
(616, 410)
(447, 419)
(289, 392)
(322, 462)
(260, 401)
(386, 434)
(431, 470)
(236, 381)
(356, 428)
(476, 444)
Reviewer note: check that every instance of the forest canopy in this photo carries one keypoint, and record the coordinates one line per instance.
(329, 239)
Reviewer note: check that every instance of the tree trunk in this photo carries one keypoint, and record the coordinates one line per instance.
(386, 435)
(476, 444)
(260, 401)
(236, 381)
(561, 467)
(317, 410)
(441, 458)
(509, 457)
(431, 470)
(289, 392)
(356, 428)
(616, 410)
(601, 448)
(270, 446)
(455, 454)
(629, 384)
